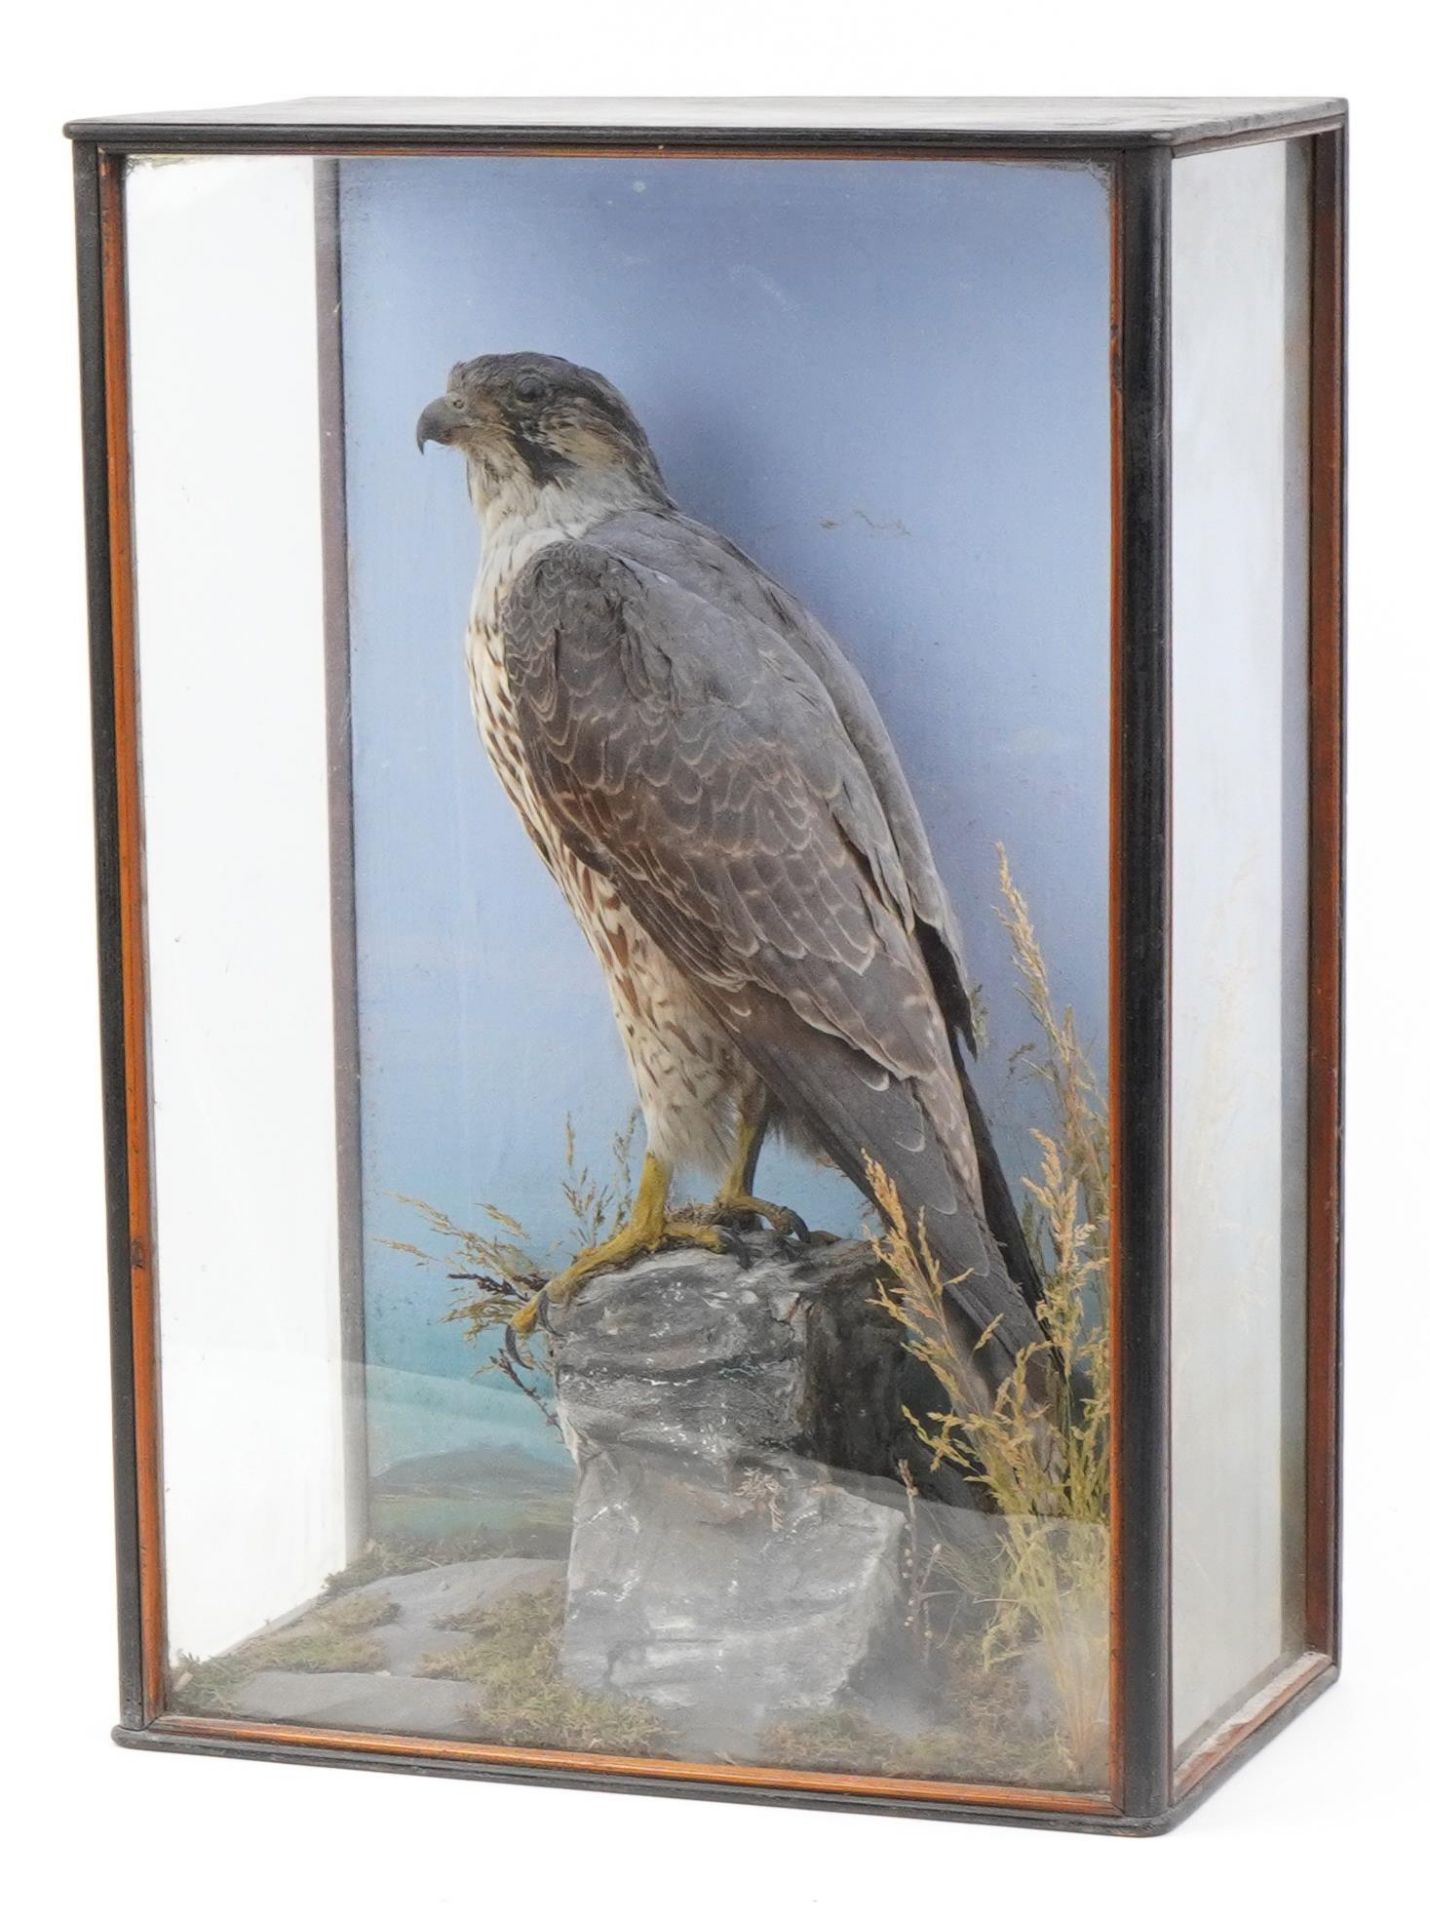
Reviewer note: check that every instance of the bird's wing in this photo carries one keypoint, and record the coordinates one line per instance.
(702, 560)
(684, 752)
(706, 563)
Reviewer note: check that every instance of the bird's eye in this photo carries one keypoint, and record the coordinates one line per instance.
(529, 388)
(457, 402)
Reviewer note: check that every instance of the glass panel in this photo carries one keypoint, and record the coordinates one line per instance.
(1239, 960)
(745, 1494)
(224, 371)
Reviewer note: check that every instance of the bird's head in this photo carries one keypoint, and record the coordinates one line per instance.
(533, 426)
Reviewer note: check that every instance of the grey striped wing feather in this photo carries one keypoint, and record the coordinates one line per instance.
(698, 739)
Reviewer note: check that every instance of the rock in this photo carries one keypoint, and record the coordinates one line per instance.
(399, 1697)
(738, 1549)
(437, 1593)
(729, 1597)
(690, 1352)
(378, 1702)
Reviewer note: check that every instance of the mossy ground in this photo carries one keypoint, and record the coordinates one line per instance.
(414, 1553)
(510, 1657)
(334, 1638)
(988, 1736)
(513, 1658)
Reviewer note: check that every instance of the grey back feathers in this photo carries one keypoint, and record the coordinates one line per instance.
(698, 738)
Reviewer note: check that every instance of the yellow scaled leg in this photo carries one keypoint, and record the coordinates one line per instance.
(735, 1195)
(649, 1229)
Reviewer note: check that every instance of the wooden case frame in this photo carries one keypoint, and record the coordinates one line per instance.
(1137, 142)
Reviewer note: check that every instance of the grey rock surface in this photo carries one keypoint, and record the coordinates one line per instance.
(738, 1548)
(690, 1352)
(398, 1697)
(436, 1593)
(728, 1599)
(379, 1702)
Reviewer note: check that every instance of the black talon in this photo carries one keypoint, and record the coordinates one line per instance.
(732, 1244)
(782, 1221)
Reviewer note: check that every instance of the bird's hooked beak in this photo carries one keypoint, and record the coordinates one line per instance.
(441, 420)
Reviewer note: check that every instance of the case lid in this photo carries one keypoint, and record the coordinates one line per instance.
(1052, 122)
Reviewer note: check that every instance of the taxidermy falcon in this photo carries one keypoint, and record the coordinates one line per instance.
(709, 781)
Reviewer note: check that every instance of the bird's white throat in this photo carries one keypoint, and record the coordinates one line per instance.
(511, 506)
(517, 519)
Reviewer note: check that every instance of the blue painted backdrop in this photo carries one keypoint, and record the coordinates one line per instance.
(888, 381)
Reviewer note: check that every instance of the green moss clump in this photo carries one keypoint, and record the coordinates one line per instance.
(397, 1555)
(843, 1741)
(317, 1647)
(334, 1638)
(989, 1737)
(512, 1657)
(401, 1552)
(210, 1686)
(359, 1612)
(839, 1740)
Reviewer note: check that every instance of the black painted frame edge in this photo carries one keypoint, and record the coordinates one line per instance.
(95, 424)
(1340, 152)
(1142, 945)
(342, 872)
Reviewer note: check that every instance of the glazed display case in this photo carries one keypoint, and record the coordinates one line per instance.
(722, 996)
